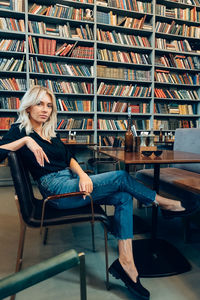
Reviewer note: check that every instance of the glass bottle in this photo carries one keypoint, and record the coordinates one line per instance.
(129, 134)
(160, 136)
(151, 139)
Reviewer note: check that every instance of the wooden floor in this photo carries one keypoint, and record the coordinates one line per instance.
(66, 285)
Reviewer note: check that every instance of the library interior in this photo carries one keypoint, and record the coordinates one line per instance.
(100, 149)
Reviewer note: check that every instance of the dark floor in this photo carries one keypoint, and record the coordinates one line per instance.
(66, 285)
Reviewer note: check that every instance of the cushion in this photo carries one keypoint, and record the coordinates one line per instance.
(188, 140)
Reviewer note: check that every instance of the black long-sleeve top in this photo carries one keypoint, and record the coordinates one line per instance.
(58, 154)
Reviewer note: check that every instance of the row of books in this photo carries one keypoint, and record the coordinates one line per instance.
(74, 105)
(13, 84)
(52, 47)
(132, 5)
(123, 90)
(178, 61)
(84, 1)
(82, 138)
(83, 52)
(174, 45)
(103, 124)
(176, 94)
(119, 106)
(178, 29)
(165, 76)
(64, 87)
(12, 24)
(103, 89)
(12, 64)
(119, 20)
(9, 102)
(60, 69)
(122, 38)
(107, 124)
(183, 109)
(173, 124)
(75, 124)
(12, 45)
(59, 11)
(188, 14)
(16, 5)
(115, 106)
(189, 2)
(67, 31)
(124, 57)
(5, 123)
(123, 73)
(110, 141)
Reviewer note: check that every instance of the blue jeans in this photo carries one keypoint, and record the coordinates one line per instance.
(111, 188)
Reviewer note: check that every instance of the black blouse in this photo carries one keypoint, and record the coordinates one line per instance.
(58, 154)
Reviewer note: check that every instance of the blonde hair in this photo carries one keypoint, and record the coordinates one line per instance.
(32, 97)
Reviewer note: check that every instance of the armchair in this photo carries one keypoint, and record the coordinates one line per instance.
(37, 213)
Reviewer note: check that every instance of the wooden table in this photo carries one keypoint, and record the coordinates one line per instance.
(155, 257)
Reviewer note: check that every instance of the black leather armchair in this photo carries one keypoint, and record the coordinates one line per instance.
(38, 214)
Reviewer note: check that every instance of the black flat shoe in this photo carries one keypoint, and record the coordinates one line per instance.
(136, 288)
(191, 207)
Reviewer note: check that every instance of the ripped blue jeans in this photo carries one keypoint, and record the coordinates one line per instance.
(111, 188)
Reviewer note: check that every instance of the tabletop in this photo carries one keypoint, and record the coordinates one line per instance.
(167, 156)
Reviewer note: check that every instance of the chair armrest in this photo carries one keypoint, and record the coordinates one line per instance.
(66, 195)
(39, 272)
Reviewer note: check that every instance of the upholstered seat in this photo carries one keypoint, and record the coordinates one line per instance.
(168, 178)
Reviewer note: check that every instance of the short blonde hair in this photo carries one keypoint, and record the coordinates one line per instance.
(32, 97)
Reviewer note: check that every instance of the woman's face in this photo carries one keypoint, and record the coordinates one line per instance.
(40, 112)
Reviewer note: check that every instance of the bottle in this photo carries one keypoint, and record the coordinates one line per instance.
(129, 134)
(160, 136)
(151, 139)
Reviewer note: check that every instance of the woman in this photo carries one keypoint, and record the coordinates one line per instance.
(52, 166)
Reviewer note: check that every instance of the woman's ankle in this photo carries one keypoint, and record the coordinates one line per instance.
(168, 204)
(130, 269)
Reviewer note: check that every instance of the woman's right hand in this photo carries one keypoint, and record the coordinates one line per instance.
(39, 153)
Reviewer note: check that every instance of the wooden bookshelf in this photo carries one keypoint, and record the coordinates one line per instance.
(99, 58)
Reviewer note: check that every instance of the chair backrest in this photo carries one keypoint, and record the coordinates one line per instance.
(22, 185)
(188, 140)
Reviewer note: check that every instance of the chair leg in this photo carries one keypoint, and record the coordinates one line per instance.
(83, 292)
(106, 257)
(93, 242)
(45, 235)
(20, 250)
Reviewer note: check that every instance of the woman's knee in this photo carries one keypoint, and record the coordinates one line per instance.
(121, 174)
(125, 199)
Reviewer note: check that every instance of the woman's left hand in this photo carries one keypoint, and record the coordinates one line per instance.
(85, 183)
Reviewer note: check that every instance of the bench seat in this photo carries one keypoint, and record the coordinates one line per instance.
(170, 181)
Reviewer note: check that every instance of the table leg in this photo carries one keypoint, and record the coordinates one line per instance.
(156, 257)
(156, 179)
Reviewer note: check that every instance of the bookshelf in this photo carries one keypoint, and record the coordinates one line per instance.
(101, 57)
(176, 64)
